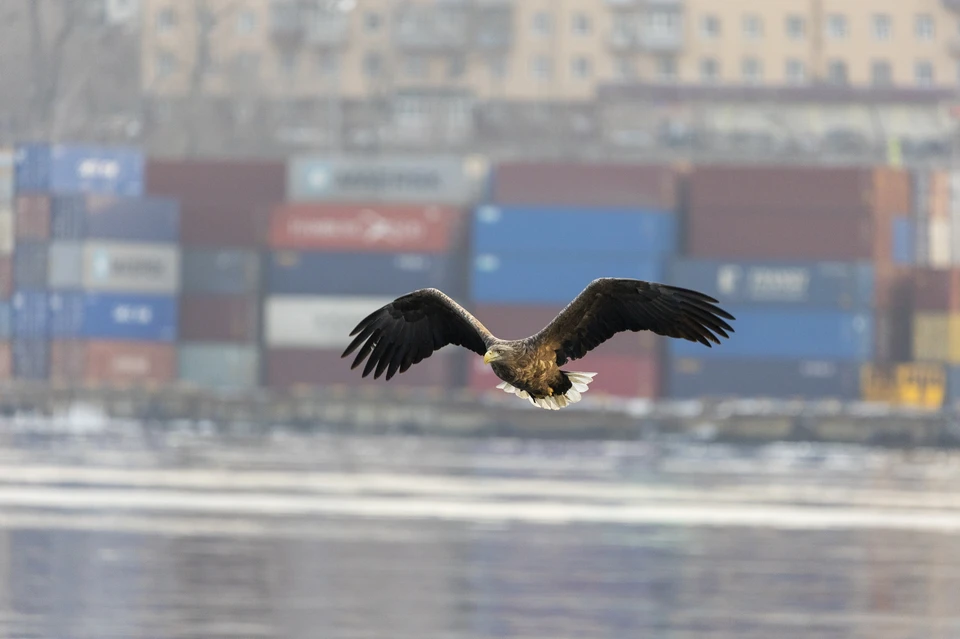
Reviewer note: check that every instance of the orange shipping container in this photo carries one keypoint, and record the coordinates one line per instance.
(109, 363)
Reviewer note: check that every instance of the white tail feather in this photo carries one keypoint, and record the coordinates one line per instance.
(580, 383)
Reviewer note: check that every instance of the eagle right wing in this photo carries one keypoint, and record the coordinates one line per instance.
(410, 328)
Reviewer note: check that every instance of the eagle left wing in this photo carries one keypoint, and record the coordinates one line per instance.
(608, 306)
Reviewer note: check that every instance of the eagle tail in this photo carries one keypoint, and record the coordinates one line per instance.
(578, 381)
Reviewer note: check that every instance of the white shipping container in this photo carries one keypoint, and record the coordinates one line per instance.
(293, 321)
(131, 267)
(65, 265)
(940, 243)
(6, 177)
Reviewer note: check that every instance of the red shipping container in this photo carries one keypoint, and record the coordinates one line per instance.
(6, 277)
(219, 318)
(222, 203)
(6, 361)
(936, 290)
(68, 360)
(374, 227)
(573, 184)
(117, 363)
(32, 217)
(288, 368)
(516, 322)
(617, 375)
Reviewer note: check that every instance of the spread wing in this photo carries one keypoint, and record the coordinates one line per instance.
(609, 306)
(410, 328)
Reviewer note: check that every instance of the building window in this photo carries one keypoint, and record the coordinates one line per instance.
(752, 70)
(924, 27)
(796, 27)
(372, 65)
(289, 61)
(663, 24)
(752, 27)
(882, 27)
(581, 67)
(498, 68)
(881, 74)
(581, 24)
(667, 69)
(166, 20)
(923, 73)
(795, 71)
(166, 64)
(710, 27)
(709, 70)
(542, 24)
(837, 26)
(415, 66)
(542, 67)
(456, 67)
(246, 22)
(837, 72)
(626, 69)
(371, 22)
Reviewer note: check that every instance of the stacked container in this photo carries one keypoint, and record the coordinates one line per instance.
(6, 259)
(547, 232)
(356, 234)
(224, 217)
(803, 258)
(95, 269)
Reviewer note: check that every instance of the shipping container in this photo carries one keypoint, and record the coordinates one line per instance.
(220, 318)
(695, 377)
(914, 385)
(365, 227)
(6, 355)
(105, 217)
(6, 320)
(953, 386)
(759, 235)
(31, 358)
(68, 361)
(29, 314)
(119, 363)
(7, 237)
(220, 271)
(46, 168)
(845, 285)
(65, 265)
(617, 375)
(904, 241)
(297, 273)
(940, 243)
(6, 177)
(223, 203)
(518, 321)
(398, 179)
(315, 322)
(590, 185)
(936, 337)
(110, 316)
(30, 265)
(775, 333)
(133, 267)
(32, 217)
(517, 278)
(795, 191)
(292, 368)
(936, 289)
(6, 277)
(574, 231)
(212, 365)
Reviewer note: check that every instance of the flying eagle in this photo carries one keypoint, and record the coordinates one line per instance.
(410, 328)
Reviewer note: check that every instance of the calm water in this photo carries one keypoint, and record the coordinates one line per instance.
(135, 534)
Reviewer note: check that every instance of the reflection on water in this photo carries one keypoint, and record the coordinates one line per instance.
(140, 566)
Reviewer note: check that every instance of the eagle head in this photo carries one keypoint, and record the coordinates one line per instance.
(496, 353)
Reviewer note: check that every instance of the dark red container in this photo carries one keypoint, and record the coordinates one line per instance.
(515, 322)
(32, 217)
(289, 368)
(936, 290)
(222, 203)
(617, 375)
(374, 227)
(112, 363)
(219, 318)
(68, 360)
(573, 184)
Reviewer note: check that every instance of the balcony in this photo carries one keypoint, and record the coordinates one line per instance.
(286, 22)
(328, 30)
(623, 39)
(493, 27)
(432, 28)
(661, 40)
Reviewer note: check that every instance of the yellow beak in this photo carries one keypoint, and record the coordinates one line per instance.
(489, 356)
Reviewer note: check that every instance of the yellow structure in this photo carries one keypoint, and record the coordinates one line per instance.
(908, 385)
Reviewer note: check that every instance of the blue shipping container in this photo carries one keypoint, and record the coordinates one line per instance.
(769, 333)
(296, 273)
(512, 278)
(904, 241)
(30, 262)
(220, 271)
(838, 285)
(762, 378)
(31, 358)
(642, 232)
(29, 314)
(46, 168)
(132, 219)
(148, 318)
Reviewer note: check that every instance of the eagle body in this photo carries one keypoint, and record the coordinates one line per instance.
(414, 326)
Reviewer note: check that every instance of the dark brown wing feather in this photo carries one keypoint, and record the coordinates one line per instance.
(609, 305)
(410, 328)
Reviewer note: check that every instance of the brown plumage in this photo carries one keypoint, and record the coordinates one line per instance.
(410, 328)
